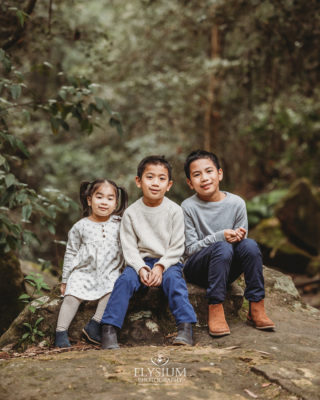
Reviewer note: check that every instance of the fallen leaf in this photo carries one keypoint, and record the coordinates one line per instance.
(263, 352)
(251, 394)
(231, 348)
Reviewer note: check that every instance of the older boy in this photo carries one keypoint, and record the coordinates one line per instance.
(217, 246)
(152, 239)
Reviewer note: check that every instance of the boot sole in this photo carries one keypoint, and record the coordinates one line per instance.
(89, 338)
(181, 343)
(214, 334)
(261, 328)
(111, 348)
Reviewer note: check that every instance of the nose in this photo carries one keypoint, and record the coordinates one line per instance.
(155, 182)
(204, 177)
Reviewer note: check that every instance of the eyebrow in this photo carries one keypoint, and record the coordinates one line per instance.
(153, 173)
(101, 194)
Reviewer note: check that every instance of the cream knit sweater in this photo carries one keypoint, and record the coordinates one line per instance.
(156, 232)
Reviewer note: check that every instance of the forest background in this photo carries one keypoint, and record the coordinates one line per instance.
(87, 89)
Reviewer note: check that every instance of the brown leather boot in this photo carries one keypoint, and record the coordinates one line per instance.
(258, 317)
(217, 322)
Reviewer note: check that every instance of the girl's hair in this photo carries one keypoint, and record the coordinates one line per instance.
(87, 189)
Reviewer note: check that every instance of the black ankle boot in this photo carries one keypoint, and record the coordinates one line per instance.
(184, 336)
(109, 337)
(92, 331)
(62, 339)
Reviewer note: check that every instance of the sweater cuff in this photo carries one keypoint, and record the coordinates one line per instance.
(220, 236)
(166, 263)
(138, 267)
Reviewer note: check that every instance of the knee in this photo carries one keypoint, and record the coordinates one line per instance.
(250, 247)
(128, 278)
(171, 275)
(222, 250)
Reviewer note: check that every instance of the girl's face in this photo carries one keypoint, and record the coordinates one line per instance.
(102, 202)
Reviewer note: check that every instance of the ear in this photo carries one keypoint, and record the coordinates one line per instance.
(190, 184)
(220, 174)
(89, 201)
(138, 182)
(169, 185)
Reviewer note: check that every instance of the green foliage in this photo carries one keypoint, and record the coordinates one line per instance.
(21, 205)
(32, 331)
(262, 206)
(35, 280)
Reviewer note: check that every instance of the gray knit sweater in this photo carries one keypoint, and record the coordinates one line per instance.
(205, 221)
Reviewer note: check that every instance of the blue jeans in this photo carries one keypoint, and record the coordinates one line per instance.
(173, 285)
(222, 263)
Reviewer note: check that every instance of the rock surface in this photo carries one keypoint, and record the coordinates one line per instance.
(247, 364)
(148, 320)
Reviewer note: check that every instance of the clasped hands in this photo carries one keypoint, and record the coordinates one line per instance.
(234, 235)
(151, 278)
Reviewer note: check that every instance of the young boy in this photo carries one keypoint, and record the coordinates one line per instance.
(217, 247)
(152, 239)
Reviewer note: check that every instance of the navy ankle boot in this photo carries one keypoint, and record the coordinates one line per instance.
(109, 337)
(184, 336)
(62, 339)
(92, 331)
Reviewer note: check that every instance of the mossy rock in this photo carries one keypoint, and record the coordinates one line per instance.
(277, 249)
(299, 215)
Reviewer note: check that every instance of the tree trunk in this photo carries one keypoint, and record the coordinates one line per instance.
(211, 118)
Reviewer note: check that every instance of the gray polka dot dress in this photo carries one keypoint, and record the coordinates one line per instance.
(93, 258)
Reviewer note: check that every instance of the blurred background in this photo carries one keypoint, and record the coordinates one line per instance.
(87, 89)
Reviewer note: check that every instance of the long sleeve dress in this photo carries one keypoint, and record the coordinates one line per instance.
(93, 258)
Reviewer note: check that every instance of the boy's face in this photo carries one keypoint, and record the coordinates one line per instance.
(154, 184)
(205, 179)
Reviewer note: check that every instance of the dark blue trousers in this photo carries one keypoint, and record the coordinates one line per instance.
(173, 285)
(222, 263)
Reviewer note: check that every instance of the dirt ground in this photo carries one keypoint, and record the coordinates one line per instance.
(248, 364)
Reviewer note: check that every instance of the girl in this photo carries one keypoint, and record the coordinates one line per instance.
(93, 256)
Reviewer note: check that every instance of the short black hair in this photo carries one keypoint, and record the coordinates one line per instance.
(155, 160)
(196, 155)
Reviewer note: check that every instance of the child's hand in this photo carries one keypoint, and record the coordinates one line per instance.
(144, 275)
(234, 236)
(241, 233)
(155, 277)
(63, 288)
(231, 236)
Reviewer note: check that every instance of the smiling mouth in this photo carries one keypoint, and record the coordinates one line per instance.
(206, 186)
